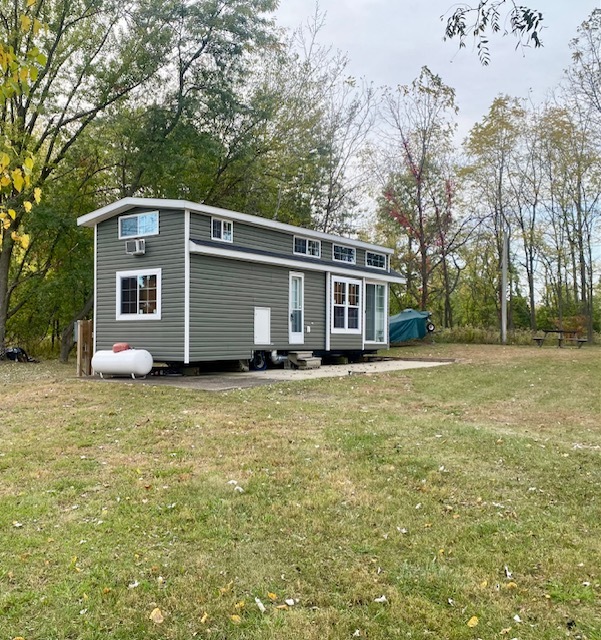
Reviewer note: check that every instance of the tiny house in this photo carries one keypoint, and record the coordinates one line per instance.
(192, 283)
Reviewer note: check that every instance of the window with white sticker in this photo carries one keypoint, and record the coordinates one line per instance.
(222, 230)
(138, 295)
(307, 247)
(344, 254)
(377, 260)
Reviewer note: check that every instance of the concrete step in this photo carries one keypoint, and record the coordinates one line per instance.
(296, 356)
(304, 360)
(309, 363)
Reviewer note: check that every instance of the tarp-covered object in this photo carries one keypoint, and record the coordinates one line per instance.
(408, 325)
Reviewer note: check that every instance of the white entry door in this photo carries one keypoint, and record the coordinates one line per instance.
(297, 308)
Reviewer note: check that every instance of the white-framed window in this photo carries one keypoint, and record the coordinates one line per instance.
(346, 305)
(139, 224)
(222, 230)
(375, 312)
(344, 254)
(307, 247)
(377, 260)
(138, 295)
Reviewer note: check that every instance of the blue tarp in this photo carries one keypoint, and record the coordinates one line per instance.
(408, 325)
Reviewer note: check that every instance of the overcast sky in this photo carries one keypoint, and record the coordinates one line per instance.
(388, 41)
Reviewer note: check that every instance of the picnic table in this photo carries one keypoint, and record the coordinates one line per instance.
(562, 336)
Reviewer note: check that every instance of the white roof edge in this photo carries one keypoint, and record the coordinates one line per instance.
(120, 206)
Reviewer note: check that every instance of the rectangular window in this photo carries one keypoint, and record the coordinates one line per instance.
(346, 305)
(139, 224)
(377, 260)
(139, 295)
(306, 247)
(375, 312)
(222, 230)
(344, 254)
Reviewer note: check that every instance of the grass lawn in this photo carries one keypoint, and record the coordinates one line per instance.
(459, 502)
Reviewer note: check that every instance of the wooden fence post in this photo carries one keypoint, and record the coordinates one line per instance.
(85, 345)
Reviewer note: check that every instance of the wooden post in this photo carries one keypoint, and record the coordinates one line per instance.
(84, 348)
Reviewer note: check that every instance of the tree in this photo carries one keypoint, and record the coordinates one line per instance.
(77, 64)
(419, 187)
(485, 19)
(573, 207)
(583, 75)
(490, 149)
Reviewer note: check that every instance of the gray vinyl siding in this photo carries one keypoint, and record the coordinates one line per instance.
(245, 235)
(164, 338)
(346, 342)
(223, 296)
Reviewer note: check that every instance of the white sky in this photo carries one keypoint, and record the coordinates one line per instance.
(388, 41)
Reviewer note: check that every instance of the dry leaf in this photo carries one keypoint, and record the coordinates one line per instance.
(239, 605)
(282, 607)
(511, 585)
(272, 596)
(205, 617)
(225, 589)
(472, 622)
(156, 616)
(236, 619)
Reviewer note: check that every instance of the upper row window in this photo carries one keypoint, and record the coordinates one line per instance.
(345, 254)
(377, 260)
(139, 224)
(307, 247)
(222, 230)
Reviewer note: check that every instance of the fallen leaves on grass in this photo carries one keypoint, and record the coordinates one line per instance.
(472, 622)
(227, 588)
(156, 616)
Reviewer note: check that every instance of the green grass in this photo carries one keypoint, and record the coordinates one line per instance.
(420, 486)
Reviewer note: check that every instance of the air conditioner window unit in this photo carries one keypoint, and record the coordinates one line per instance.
(135, 247)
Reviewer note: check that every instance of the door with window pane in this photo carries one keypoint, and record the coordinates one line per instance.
(297, 295)
(375, 312)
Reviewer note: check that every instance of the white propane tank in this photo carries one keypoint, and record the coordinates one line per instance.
(131, 362)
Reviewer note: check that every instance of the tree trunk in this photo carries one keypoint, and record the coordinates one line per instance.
(5, 258)
(67, 340)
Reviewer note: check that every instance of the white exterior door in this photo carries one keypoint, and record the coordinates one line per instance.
(297, 308)
(262, 325)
